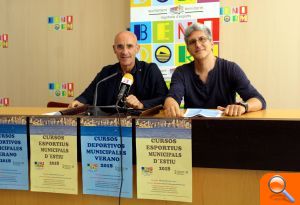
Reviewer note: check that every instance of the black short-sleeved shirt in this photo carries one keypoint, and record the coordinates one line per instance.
(223, 82)
(148, 86)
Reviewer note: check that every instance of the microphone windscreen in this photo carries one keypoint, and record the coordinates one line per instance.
(127, 79)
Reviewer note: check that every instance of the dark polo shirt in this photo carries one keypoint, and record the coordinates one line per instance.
(148, 86)
(223, 82)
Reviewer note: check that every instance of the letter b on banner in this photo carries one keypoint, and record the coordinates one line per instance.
(142, 30)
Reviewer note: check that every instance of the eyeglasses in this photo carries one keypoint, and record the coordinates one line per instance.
(122, 47)
(201, 39)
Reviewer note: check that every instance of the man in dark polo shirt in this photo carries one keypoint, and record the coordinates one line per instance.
(148, 89)
(209, 81)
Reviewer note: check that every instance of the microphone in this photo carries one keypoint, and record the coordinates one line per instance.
(97, 85)
(125, 85)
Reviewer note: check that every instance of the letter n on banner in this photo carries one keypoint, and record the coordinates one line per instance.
(214, 25)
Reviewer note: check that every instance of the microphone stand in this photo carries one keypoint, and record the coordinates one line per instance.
(97, 85)
(94, 110)
(121, 149)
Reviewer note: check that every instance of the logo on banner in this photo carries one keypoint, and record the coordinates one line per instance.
(178, 12)
(92, 166)
(39, 164)
(163, 54)
(177, 9)
(234, 14)
(62, 89)
(4, 40)
(147, 171)
(60, 23)
(4, 102)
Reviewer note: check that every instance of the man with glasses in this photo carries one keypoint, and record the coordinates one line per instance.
(148, 89)
(209, 81)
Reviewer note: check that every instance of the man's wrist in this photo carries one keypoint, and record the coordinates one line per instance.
(141, 105)
(243, 104)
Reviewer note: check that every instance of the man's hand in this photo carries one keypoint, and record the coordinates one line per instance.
(133, 102)
(172, 108)
(254, 104)
(75, 103)
(232, 110)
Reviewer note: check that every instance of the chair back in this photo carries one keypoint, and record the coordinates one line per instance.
(57, 104)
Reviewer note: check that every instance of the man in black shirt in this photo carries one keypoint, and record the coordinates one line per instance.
(210, 82)
(148, 89)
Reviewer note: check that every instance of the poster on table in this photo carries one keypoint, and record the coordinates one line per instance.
(53, 156)
(13, 153)
(160, 29)
(104, 156)
(164, 159)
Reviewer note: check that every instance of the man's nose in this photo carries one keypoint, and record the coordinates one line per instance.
(197, 43)
(125, 50)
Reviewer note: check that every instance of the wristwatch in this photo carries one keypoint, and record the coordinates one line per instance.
(244, 104)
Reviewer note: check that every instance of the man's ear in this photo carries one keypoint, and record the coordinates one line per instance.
(114, 48)
(138, 47)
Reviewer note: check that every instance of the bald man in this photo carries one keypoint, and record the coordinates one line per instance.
(148, 89)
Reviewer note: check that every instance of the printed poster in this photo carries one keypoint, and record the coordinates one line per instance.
(53, 161)
(104, 156)
(13, 153)
(164, 159)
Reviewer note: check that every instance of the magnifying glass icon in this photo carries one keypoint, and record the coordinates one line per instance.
(277, 185)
